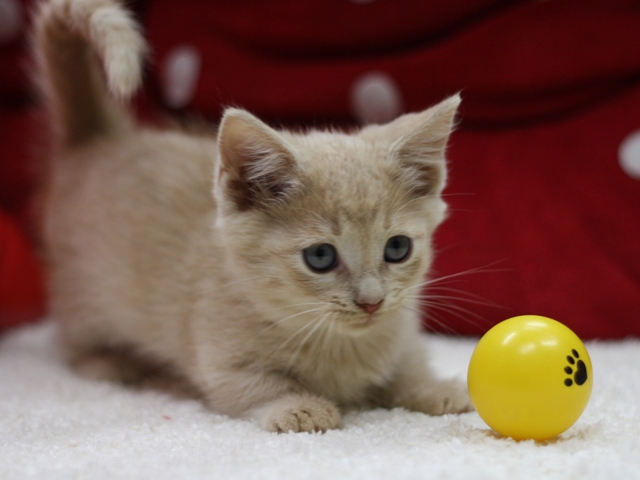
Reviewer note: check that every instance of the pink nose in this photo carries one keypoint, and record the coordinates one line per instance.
(370, 308)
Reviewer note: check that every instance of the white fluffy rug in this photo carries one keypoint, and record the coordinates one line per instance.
(54, 425)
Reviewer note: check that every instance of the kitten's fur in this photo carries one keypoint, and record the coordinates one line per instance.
(187, 249)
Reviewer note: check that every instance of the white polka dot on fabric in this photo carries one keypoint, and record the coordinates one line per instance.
(629, 155)
(11, 20)
(180, 76)
(376, 98)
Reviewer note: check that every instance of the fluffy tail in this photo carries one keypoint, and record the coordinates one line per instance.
(89, 55)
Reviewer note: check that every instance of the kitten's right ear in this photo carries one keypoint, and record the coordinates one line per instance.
(420, 148)
(256, 168)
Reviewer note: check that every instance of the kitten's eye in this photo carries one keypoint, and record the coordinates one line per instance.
(397, 249)
(320, 258)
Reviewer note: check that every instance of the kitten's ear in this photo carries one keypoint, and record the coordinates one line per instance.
(420, 148)
(255, 168)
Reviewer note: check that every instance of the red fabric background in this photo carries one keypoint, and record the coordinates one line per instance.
(514, 61)
(547, 222)
(22, 291)
(543, 218)
(22, 295)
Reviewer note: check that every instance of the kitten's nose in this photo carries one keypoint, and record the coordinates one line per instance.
(370, 308)
(369, 294)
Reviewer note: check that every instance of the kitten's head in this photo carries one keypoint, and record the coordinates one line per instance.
(332, 227)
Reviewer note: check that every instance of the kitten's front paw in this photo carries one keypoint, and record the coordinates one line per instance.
(449, 396)
(299, 413)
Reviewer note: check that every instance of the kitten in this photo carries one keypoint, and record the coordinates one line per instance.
(277, 271)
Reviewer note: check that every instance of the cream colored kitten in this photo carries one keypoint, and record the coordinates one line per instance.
(276, 271)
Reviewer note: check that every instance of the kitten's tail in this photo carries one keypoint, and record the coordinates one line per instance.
(82, 94)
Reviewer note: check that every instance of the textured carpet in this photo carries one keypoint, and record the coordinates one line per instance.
(54, 425)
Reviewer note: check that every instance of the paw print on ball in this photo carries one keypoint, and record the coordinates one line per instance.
(577, 368)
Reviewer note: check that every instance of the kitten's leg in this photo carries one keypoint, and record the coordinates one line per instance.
(86, 353)
(277, 403)
(108, 365)
(416, 388)
(89, 346)
(296, 412)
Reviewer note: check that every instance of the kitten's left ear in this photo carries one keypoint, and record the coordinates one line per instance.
(420, 149)
(255, 166)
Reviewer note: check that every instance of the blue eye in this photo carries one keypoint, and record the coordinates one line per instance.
(397, 249)
(320, 258)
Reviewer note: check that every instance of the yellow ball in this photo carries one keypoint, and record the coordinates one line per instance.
(530, 377)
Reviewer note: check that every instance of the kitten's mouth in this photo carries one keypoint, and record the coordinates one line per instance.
(364, 321)
(369, 320)
(359, 320)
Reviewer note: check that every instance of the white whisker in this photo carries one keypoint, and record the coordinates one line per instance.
(294, 356)
(290, 317)
(289, 338)
(449, 308)
(473, 301)
(328, 336)
(293, 305)
(432, 319)
(448, 278)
